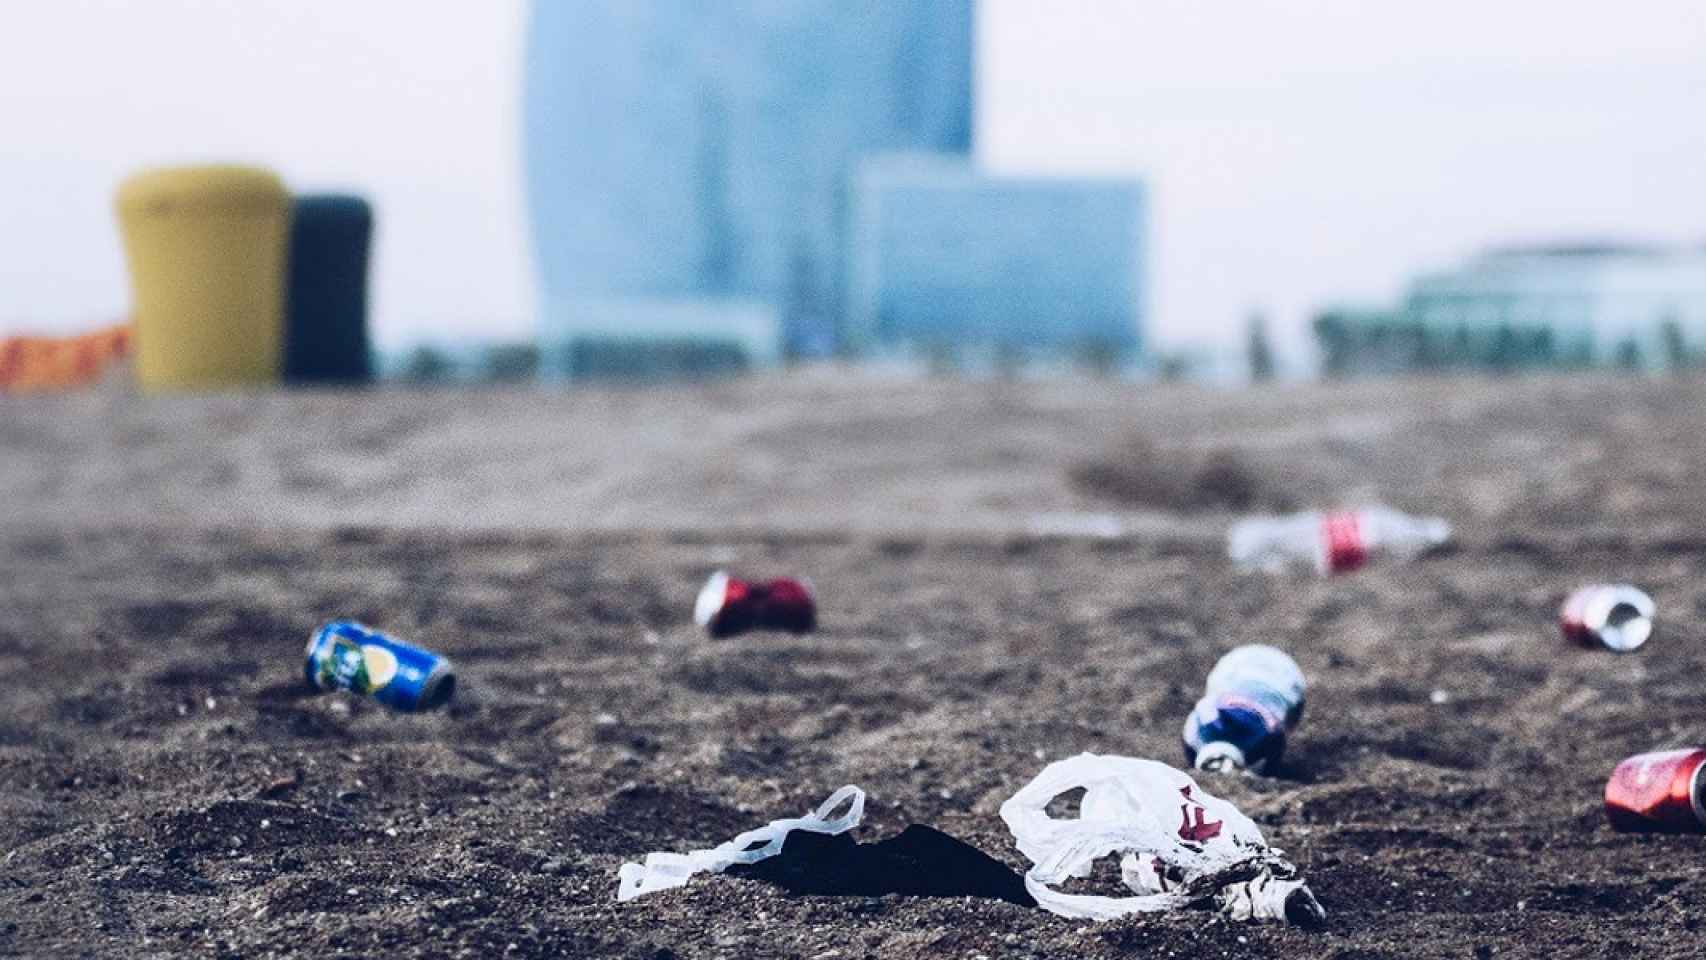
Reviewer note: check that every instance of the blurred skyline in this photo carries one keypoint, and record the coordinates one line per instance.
(705, 156)
(1297, 155)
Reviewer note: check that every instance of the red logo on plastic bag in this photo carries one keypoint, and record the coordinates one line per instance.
(1199, 831)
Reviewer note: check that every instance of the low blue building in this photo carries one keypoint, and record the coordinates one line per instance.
(1555, 306)
(946, 259)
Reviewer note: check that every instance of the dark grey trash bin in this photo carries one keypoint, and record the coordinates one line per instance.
(326, 320)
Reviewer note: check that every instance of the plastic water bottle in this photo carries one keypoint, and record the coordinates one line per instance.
(1331, 542)
(1253, 696)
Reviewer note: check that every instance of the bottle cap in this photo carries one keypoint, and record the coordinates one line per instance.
(1215, 757)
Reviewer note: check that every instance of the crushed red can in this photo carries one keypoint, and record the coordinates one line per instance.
(1658, 793)
(727, 606)
(1616, 616)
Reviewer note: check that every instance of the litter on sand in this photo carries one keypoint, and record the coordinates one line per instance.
(815, 855)
(1661, 792)
(1254, 695)
(1617, 616)
(1210, 857)
(1180, 848)
(1334, 542)
(727, 606)
(663, 871)
(345, 655)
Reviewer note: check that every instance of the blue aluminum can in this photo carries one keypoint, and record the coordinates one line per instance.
(344, 655)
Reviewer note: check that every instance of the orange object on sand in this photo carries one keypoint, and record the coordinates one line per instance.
(45, 363)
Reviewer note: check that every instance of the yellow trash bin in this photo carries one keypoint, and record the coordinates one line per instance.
(206, 247)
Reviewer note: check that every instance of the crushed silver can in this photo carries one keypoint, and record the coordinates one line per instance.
(1617, 616)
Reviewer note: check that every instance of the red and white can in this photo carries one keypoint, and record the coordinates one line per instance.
(727, 606)
(1616, 616)
(1344, 543)
(1658, 793)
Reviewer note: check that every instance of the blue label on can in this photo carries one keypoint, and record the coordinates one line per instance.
(344, 655)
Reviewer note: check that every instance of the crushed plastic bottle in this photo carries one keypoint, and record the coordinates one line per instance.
(1179, 846)
(1254, 695)
(1333, 542)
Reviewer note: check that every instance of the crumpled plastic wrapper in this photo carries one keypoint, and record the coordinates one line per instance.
(1180, 847)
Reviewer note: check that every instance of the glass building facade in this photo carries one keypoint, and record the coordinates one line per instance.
(691, 160)
(947, 258)
(1533, 307)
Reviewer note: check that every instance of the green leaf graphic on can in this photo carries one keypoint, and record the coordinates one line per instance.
(341, 666)
(359, 668)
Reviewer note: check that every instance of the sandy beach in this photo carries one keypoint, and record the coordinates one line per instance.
(999, 587)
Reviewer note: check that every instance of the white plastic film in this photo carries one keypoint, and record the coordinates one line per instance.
(663, 871)
(1178, 845)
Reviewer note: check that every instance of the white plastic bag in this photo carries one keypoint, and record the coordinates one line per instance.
(1179, 846)
(662, 871)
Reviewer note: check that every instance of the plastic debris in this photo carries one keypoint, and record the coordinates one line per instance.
(1254, 695)
(1180, 847)
(815, 855)
(1616, 616)
(1332, 542)
(664, 871)
(727, 606)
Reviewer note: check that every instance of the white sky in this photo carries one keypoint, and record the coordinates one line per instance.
(1298, 152)
(413, 104)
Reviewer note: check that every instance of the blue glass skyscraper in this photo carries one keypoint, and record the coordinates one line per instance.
(682, 156)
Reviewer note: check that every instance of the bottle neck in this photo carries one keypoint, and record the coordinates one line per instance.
(1220, 756)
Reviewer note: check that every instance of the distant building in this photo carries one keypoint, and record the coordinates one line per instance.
(685, 162)
(639, 338)
(947, 258)
(459, 360)
(1533, 307)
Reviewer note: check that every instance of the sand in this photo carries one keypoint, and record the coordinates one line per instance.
(168, 788)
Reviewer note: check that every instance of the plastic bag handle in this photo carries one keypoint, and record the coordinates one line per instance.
(663, 870)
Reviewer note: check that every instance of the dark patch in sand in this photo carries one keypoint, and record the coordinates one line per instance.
(1138, 472)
